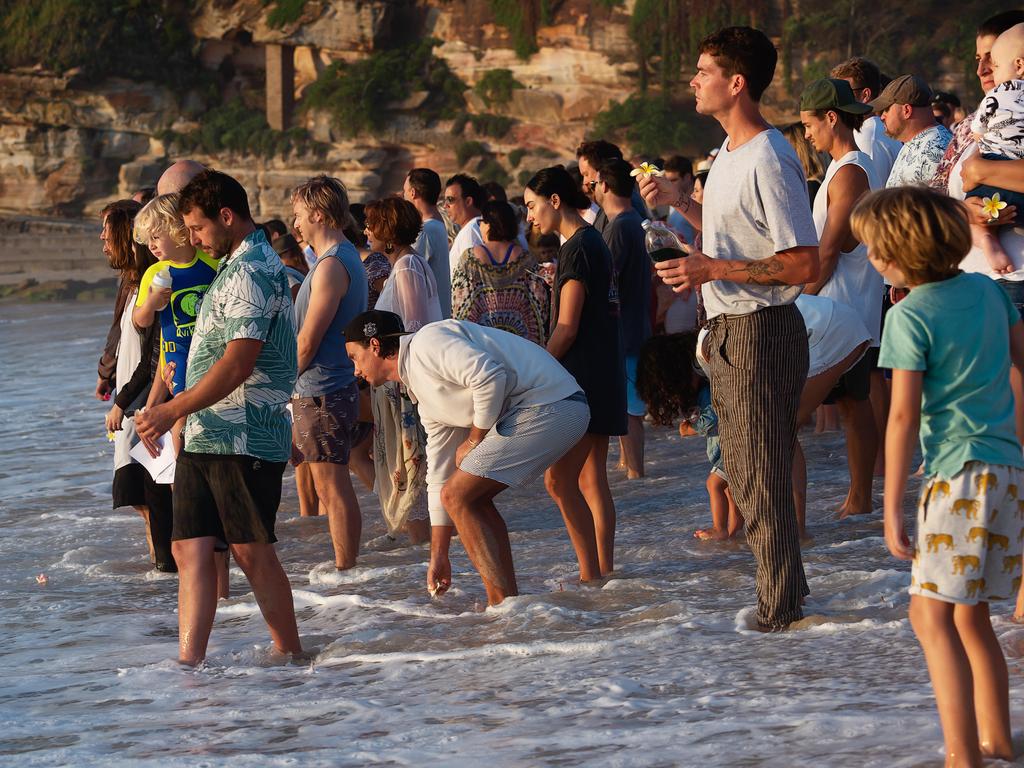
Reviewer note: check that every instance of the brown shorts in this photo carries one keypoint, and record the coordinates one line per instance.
(326, 427)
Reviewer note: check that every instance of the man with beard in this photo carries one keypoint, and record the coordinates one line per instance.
(241, 373)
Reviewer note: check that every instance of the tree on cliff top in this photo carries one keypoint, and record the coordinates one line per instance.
(135, 39)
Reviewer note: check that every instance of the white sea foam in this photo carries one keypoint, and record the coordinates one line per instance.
(658, 665)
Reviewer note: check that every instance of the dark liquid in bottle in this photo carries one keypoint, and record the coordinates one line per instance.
(664, 254)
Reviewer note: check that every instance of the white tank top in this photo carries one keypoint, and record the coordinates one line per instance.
(854, 281)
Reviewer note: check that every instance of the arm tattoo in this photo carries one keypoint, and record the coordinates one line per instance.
(761, 272)
(682, 203)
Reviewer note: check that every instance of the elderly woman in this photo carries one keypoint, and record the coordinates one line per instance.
(410, 291)
(495, 283)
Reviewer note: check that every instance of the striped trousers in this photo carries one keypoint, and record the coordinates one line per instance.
(758, 366)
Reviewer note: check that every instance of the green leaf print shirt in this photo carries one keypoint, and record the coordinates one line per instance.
(248, 299)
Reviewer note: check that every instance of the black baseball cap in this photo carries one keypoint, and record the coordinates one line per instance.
(374, 324)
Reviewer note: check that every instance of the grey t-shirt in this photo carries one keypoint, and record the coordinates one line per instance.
(755, 205)
(432, 245)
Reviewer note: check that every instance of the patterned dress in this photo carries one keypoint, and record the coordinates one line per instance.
(509, 297)
(377, 268)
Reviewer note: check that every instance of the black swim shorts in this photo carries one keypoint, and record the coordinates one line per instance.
(232, 498)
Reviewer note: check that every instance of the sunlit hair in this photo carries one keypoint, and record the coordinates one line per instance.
(328, 196)
(160, 216)
(394, 221)
(925, 234)
(809, 158)
(664, 376)
(863, 73)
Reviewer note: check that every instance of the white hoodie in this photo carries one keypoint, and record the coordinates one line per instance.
(461, 375)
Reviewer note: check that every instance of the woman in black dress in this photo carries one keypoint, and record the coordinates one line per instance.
(586, 339)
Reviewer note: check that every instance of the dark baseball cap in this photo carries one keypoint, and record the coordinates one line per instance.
(905, 89)
(374, 324)
(830, 93)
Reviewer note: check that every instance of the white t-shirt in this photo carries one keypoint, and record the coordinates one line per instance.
(755, 205)
(432, 245)
(467, 237)
(854, 281)
(873, 141)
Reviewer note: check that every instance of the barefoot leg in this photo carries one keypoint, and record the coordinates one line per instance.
(950, 672)
(991, 680)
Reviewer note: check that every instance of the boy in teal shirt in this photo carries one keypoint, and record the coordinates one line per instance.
(950, 344)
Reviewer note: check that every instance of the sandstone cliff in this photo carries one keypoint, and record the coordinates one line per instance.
(67, 148)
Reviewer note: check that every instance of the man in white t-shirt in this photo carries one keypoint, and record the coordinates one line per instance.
(463, 197)
(865, 79)
(422, 188)
(760, 249)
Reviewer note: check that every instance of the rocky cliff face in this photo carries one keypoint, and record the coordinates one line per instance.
(66, 149)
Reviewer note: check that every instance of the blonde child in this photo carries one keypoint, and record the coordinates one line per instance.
(950, 344)
(159, 227)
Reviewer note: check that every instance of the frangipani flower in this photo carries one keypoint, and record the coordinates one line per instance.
(993, 205)
(648, 169)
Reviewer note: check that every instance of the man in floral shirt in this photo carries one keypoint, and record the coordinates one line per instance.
(905, 108)
(241, 373)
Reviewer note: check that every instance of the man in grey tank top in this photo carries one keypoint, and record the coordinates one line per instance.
(325, 406)
(760, 249)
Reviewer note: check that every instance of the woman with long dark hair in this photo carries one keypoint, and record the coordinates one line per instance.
(130, 259)
(586, 338)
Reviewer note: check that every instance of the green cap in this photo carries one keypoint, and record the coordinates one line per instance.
(831, 94)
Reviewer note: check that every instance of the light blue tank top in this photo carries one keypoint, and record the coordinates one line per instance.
(331, 369)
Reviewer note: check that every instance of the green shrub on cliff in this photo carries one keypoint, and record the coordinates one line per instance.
(496, 86)
(135, 39)
(234, 127)
(649, 125)
(357, 94)
(284, 12)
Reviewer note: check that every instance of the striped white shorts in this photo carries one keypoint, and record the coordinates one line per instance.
(526, 441)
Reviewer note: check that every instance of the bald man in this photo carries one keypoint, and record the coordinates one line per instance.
(178, 175)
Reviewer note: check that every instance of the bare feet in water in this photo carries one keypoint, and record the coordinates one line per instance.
(853, 506)
(711, 534)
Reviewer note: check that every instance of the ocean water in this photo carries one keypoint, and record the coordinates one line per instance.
(656, 667)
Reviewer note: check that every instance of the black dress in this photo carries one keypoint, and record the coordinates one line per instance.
(595, 357)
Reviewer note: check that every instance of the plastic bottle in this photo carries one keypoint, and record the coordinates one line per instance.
(161, 280)
(661, 242)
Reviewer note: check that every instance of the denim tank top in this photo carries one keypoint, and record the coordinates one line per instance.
(331, 369)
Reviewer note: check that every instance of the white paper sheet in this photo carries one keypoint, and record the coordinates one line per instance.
(160, 468)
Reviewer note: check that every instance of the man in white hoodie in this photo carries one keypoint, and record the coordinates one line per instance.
(498, 410)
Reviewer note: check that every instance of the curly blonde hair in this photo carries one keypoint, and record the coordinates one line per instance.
(160, 215)
(924, 233)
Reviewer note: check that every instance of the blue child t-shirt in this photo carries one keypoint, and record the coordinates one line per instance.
(177, 320)
(957, 331)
